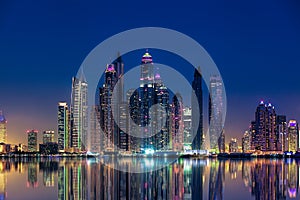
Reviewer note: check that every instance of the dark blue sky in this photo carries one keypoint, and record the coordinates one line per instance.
(255, 44)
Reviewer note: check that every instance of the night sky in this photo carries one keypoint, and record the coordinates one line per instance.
(255, 44)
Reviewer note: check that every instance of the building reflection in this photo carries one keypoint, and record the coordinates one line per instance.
(82, 179)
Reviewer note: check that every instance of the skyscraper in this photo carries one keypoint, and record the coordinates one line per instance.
(216, 109)
(79, 113)
(63, 126)
(187, 121)
(3, 130)
(146, 94)
(265, 137)
(233, 145)
(32, 140)
(281, 132)
(177, 123)
(246, 142)
(48, 136)
(108, 125)
(293, 132)
(95, 132)
(197, 111)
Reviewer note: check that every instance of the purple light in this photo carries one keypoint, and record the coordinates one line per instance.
(110, 68)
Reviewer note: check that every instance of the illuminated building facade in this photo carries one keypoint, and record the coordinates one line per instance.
(233, 145)
(95, 130)
(79, 113)
(63, 126)
(293, 134)
(187, 122)
(265, 137)
(221, 142)
(216, 107)
(177, 123)
(281, 132)
(48, 137)
(32, 140)
(3, 129)
(246, 142)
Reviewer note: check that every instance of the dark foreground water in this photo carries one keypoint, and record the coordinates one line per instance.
(184, 179)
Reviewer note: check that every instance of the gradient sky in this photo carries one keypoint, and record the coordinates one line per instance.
(255, 44)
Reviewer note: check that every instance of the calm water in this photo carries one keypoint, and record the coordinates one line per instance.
(184, 179)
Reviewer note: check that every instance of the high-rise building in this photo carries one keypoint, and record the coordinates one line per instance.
(265, 137)
(293, 134)
(221, 142)
(48, 136)
(3, 130)
(281, 132)
(108, 125)
(32, 140)
(197, 111)
(95, 131)
(216, 109)
(246, 142)
(233, 145)
(63, 126)
(187, 132)
(79, 113)
(177, 123)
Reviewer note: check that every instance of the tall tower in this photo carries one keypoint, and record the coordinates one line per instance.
(79, 113)
(197, 110)
(63, 126)
(265, 138)
(146, 94)
(106, 102)
(281, 132)
(177, 122)
(216, 107)
(293, 132)
(32, 140)
(3, 130)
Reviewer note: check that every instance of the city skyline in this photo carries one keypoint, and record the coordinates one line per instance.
(242, 44)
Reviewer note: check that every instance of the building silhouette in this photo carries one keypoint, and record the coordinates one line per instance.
(197, 111)
(3, 129)
(63, 126)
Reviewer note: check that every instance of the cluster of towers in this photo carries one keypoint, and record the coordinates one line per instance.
(271, 132)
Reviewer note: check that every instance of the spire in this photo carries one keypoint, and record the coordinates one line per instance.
(81, 76)
(110, 68)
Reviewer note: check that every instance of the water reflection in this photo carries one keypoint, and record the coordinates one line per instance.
(184, 179)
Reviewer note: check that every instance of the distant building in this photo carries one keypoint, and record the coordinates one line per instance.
(79, 113)
(293, 132)
(49, 148)
(48, 136)
(221, 142)
(197, 111)
(233, 145)
(177, 123)
(187, 122)
(3, 130)
(63, 126)
(95, 130)
(281, 131)
(216, 109)
(246, 142)
(32, 140)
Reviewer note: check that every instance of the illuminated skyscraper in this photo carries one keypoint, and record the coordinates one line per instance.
(48, 136)
(63, 126)
(106, 102)
(187, 121)
(233, 145)
(293, 132)
(216, 107)
(32, 140)
(79, 113)
(281, 132)
(3, 130)
(197, 111)
(246, 142)
(265, 137)
(95, 131)
(177, 123)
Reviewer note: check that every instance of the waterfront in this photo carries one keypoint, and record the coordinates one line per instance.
(59, 178)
